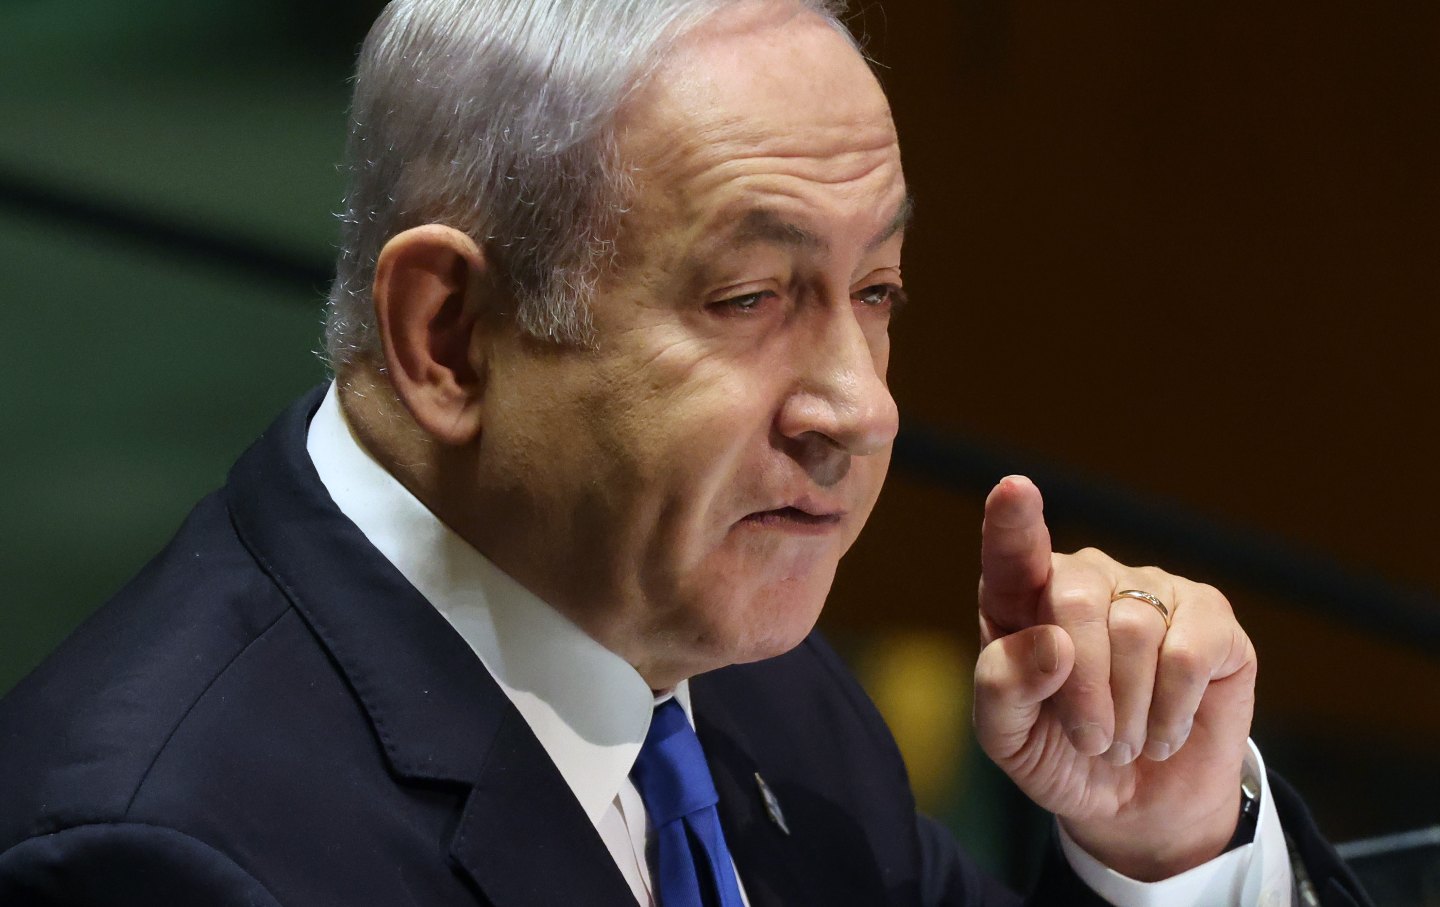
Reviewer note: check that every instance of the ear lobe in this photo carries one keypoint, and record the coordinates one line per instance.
(429, 287)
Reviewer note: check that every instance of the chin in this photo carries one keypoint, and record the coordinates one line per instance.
(774, 619)
(758, 599)
(735, 630)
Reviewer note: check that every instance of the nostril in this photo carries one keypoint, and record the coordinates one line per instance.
(825, 462)
(841, 427)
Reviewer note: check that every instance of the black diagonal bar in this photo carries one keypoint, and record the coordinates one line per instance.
(1176, 536)
(231, 251)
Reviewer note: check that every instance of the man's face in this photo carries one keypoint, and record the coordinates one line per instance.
(684, 489)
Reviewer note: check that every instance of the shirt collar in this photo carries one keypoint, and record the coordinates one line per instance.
(587, 706)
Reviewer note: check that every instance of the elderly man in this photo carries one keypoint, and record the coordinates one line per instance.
(610, 342)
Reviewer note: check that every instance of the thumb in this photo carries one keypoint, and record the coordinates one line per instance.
(1014, 676)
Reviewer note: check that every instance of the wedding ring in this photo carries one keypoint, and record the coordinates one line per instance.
(1151, 600)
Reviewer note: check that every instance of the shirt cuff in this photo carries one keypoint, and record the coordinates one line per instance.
(1257, 874)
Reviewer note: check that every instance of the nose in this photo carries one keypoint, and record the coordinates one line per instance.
(841, 402)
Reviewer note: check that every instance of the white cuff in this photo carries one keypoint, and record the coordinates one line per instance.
(1255, 875)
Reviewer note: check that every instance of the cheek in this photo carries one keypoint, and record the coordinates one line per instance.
(680, 420)
(767, 610)
(646, 469)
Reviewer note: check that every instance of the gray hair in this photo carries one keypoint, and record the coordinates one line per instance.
(497, 117)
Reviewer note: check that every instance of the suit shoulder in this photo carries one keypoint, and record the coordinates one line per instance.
(124, 864)
(78, 734)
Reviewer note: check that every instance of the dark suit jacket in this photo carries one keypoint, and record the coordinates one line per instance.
(270, 714)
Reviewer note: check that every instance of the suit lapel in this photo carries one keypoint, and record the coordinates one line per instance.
(825, 857)
(438, 716)
(772, 868)
(523, 838)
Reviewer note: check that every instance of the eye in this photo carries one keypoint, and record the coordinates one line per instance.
(886, 296)
(742, 305)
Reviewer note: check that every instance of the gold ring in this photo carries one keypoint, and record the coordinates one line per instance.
(1151, 600)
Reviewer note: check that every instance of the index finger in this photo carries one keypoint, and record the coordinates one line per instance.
(1014, 554)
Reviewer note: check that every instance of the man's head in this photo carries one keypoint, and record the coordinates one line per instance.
(498, 117)
(683, 484)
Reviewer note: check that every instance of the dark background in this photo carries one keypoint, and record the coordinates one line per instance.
(1177, 262)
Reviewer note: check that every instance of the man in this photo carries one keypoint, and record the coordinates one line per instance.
(610, 340)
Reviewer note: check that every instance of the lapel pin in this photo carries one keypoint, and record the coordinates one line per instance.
(772, 804)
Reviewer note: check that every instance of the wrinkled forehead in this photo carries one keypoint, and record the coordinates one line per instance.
(762, 71)
(764, 111)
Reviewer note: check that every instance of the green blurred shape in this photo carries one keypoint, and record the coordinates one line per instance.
(137, 374)
(134, 381)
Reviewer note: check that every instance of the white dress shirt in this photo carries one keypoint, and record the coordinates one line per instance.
(591, 710)
(1254, 875)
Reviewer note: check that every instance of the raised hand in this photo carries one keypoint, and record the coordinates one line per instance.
(1132, 732)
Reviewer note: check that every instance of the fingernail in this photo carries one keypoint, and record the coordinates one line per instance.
(1120, 754)
(1158, 750)
(1089, 739)
(1047, 654)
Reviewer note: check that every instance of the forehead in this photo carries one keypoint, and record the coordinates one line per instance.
(774, 54)
(764, 106)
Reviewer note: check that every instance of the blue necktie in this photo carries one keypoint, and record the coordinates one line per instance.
(693, 867)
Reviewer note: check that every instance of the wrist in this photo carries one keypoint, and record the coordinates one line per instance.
(1154, 851)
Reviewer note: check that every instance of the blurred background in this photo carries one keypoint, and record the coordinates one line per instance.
(1177, 263)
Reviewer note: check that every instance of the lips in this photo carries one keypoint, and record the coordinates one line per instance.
(794, 514)
(804, 515)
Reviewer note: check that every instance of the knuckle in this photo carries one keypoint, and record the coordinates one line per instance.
(989, 677)
(987, 686)
(1086, 689)
(1205, 590)
(1161, 582)
(1076, 601)
(1154, 574)
(1185, 664)
(1093, 556)
(1205, 596)
(1131, 721)
(1215, 596)
(1132, 626)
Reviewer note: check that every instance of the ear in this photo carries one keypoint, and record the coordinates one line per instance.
(430, 289)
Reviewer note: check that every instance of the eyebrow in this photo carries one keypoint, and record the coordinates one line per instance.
(898, 223)
(763, 225)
